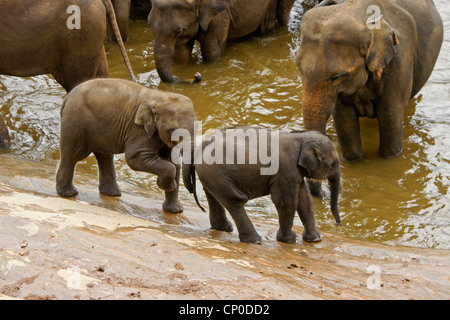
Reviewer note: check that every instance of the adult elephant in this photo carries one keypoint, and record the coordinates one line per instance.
(64, 38)
(176, 24)
(366, 58)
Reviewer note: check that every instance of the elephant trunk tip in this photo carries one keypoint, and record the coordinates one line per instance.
(197, 78)
(336, 216)
(174, 80)
(334, 183)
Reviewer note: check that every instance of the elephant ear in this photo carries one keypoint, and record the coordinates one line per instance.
(145, 116)
(310, 156)
(382, 47)
(208, 9)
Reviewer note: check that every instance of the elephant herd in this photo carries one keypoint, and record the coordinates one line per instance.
(356, 58)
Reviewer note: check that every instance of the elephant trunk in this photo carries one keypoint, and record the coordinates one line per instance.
(317, 108)
(335, 182)
(163, 57)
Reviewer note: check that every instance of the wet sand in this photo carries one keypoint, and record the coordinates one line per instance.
(99, 247)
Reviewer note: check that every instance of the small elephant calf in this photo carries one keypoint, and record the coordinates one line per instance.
(111, 116)
(300, 154)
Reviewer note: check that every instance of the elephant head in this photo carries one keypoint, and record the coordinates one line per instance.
(338, 53)
(175, 24)
(165, 113)
(320, 160)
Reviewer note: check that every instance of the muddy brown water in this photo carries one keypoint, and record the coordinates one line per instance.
(404, 200)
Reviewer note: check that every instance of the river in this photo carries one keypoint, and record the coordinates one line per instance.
(401, 201)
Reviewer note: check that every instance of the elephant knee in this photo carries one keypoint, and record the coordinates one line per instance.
(134, 161)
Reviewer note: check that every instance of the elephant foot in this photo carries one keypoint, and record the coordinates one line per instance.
(173, 206)
(353, 157)
(390, 153)
(224, 225)
(67, 192)
(288, 237)
(252, 238)
(312, 236)
(110, 190)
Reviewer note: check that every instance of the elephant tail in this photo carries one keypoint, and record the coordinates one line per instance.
(115, 27)
(190, 182)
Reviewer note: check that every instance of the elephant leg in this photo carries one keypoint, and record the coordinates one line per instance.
(212, 41)
(286, 202)
(71, 76)
(227, 195)
(390, 121)
(183, 52)
(270, 21)
(391, 138)
(217, 214)
(107, 174)
(346, 123)
(284, 10)
(171, 203)
(246, 230)
(5, 139)
(148, 161)
(102, 70)
(391, 109)
(80, 69)
(306, 214)
(72, 150)
(64, 177)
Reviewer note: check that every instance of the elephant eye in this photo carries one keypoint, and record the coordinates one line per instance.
(336, 163)
(339, 76)
(179, 32)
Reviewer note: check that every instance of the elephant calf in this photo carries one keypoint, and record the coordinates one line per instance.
(300, 154)
(111, 116)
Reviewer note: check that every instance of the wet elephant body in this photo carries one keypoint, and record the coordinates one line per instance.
(354, 63)
(40, 37)
(112, 116)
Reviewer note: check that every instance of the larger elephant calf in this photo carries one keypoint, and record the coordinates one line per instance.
(111, 116)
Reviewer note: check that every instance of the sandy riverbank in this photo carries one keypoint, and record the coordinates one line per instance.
(97, 247)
